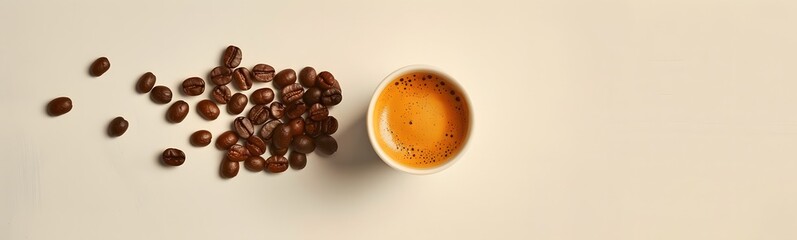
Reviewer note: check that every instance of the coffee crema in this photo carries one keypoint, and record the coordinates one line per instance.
(421, 120)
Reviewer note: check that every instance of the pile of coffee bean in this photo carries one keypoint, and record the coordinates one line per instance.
(292, 120)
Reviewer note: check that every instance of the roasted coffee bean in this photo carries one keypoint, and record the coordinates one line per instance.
(232, 57)
(282, 136)
(331, 97)
(255, 163)
(59, 106)
(229, 168)
(226, 140)
(263, 73)
(318, 112)
(243, 127)
(276, 164)
(325, 80)
(177, 112)
(221, 75)
(297, 160)
(329, 126)
(237, 153)
(258, 114)
(275, 151)
(117, 127)
(303, 144)
(284, 78)
(242, 78)
(255, 145)
(201, 138)
(307, 77)
(312, 128)
(208, 109)
(268, 129)
(326, 144)
(145, 83)
(99, 66)
(262, 96)
(312, 96)
(277, 110)
(292, 93)
(296, 110)
(173, 157)
(296, 126)
(161, 94)
(221, 94)
(193, 86)
(237, 103)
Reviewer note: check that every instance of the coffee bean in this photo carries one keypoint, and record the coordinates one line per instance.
(221, 75)
(221, 94)
(262, 96)
(276, 164)
(258, 114)
(277, 110)
(331, 97)
(237, 103)
(229, 169)
(312, 96)
(282, 136)
(99, 66)
(275, 151)
(208, 109)
(255, 163)
(296, 110)
(318, 112)
(193, 86)
(145, 83)
(177, 112)
(296, 126)
(59, 106)
(326, 144)
(292, 93)
(232, 57)
(237, 153)
(307, 77)
(329, 126)
(173, 157)
(201, 138)
(297, 160)
(268, 129)
(284, 78)
(255, 145)
(312, 128)
(263, 73)
(303, 144)
(325, 80)
(242, 78)
(117, 127)
(161, 94)
(226, 140)
(243, 127)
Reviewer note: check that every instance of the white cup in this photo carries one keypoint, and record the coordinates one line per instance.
(372, 133)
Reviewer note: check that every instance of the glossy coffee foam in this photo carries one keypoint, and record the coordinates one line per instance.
(420, 120)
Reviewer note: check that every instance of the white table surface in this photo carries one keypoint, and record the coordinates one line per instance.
(594, 120)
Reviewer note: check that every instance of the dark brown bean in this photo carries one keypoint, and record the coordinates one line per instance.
(226, 140)
(221, 75)
(117, 127)
(292, 93)
(282, 136)
(303, 144)
(229, 169)
(268, 129)
(258, 114)
(237, 153)
(296, 110)
(242, 78)
(232, 57)
(277, 110)
(326, 144)
(318, 112)
(328, 126)
(145, 83)
(284, 78)
(331, 97)
(312, 96)
(262, 96)
(177, 112)
(243, 127)
(325, 80)
(307, 77)
(193, 86)
(99, 66)
(312, 128)
(221, 94)
(297, 160)
(255, 145)
(161, 94)
(255, 163)
(59, 106)
(208, 109)
(201, 138)
(237, 103)
(263, 73)
(296, 126)
(173, 157)
(275, 151)
(276, 164)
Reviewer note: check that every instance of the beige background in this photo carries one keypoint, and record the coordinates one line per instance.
(595, 120)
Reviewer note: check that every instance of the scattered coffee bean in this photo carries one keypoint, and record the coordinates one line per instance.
(276, 164)
(229, 169)
(275, 151)
(226, 140)
(232, 57)
(237, 103)
(331, 97)
(177, 112)
(262, 96)
(258, 114)
(173, 157)
(145, 83)
(201, 138)
(277, 110)
(297, 160)
(326, 144)
(296, 110)
(292, 93)
(59, 106)
(243, 127)
(307, 77)
(312, 96)
(328, 126)
(237, 153)
(193, 86)
(99, 66)
(318, 112)
(296, 126)
(208, 109)
(255, 163)
(284, 78)
(221, 94)
(117, 127)
(282, 136)
(268, 129)
(242, 79)
(303, 144)
(325, 80)
(312, 128)
(255, 145)
(161, 94)
(263, 73)
(221, 75)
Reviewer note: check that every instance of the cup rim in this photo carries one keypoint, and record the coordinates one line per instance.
(372, 135)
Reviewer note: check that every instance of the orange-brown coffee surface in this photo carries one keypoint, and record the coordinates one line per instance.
(420, 120)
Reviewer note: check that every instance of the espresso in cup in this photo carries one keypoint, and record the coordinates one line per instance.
(421, 119)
